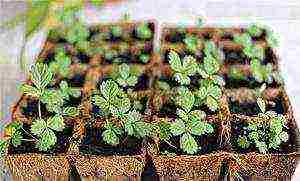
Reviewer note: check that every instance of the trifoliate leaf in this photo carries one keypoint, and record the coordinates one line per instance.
(188, 144)
(41, 76)
(178, 127)
(47, 140)
(56, 123)
(101, 102)
(38, 126)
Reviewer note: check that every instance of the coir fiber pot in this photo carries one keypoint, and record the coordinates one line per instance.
(274, 165)
(34, 164)
(93, 166)
(204, 166)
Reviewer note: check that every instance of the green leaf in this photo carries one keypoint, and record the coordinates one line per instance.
(74, 92)
(41, 76)
(198, 128)
(272, 39)
(144, 58)
(188, 144)
(218, 80)
(261, 104)
(262, 147)
(30, 90)
(243, 39)
(243, 142)
(47, 140)
(197, 115)
(53, 100)
(189, 65)
(178, 127)
(284, 136)
(56, 123)
(175, 61)
(212, 103)
(182, 78)
(120, 107)
(71, 111)
(254, 30)
(78, 32)
(211, 65)
(209, 128)
(191, 43)
(109, 89)
(202, 93)
(3, 147)
(110, 136)
(38, 126)
(143, 31)
(16, 139)
(185, 99)
(101, 102)
(116, 31)
(182, 114)
(214, 91)
(164, 130)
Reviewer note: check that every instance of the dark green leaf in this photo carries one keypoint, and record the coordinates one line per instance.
(38, 126)
(178, 127)
(47, 140)
(188, 144)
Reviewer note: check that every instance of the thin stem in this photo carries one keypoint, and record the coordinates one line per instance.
(40, 112)
(29, 134)
(170, 144)
(23, 139)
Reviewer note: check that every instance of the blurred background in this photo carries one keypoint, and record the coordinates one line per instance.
(282, 16)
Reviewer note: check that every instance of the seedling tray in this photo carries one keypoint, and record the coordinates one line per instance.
(236, 100)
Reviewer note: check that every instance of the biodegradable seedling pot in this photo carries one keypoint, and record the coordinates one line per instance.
(97, 160)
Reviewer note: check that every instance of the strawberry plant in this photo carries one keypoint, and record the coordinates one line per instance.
(266, 135)
(191, 42)
(61, 63)
(43, 128)
(143, 31)
(189, 122)
(184, 68)
(126, 76)
(209, 92)
(77, 33)
(114, 102)
(254, 30)
(116, 31)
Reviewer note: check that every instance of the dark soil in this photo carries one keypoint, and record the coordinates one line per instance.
(249, 82)
(175, 37)
(260, 37)
(30, 110)
(83, 58)
(168, 110)
(237, 129)
(94, 144)
(49, 58)
(30, 146)
(207, 36)
(234, 57)
(270, 57)
(208, 143)
(227, 36)
(251, 108)
(77, 80)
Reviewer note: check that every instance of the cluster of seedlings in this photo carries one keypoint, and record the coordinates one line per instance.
(213, 97)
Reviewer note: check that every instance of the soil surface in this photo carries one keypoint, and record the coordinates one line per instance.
(93, 144)
(30, 146)
(208, 143)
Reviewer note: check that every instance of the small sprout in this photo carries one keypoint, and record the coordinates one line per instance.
(236, 73)
(191, 43)
(182, 68)
(125, 77)
(243, 142)
(62, 63)
(144, 58)
(189, 122)
(255, 30)
(78, 32)
(261, 73)
(143, 31)
(116, 31)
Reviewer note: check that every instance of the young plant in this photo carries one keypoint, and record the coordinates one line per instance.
(191, 42)
(77, 33)
(116, 31)
(267, 135)
(262, 73)
(126, 76)
(254, 30)
(143, 31)
(182, 68)
(144, 58)
(12, 135)
(209, 92)
(236, 73)
(61, 63)
(43, 128)
(116, 104)
(189, 123)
